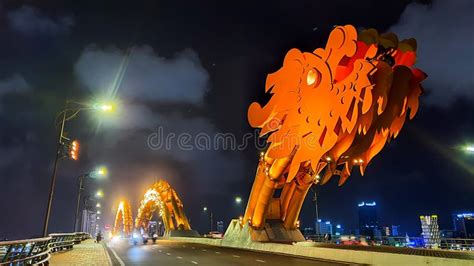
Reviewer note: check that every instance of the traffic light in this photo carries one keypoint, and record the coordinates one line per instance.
(73, 150)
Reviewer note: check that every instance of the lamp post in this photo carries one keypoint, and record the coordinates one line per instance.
(70, 111)
(205, 210)
(100, 172)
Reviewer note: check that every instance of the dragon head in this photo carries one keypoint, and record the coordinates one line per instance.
(334, 108)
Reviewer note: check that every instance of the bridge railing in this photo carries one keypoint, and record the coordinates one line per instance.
(29, 251)
(37, 250)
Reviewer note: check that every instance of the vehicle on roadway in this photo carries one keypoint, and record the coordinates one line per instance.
(214, 234)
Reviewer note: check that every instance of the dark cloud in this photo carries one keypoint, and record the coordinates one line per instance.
(141, 73)
(444, 32)
(31, 21)
(15, 83)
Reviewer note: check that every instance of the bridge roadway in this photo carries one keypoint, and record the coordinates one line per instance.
(167, 252)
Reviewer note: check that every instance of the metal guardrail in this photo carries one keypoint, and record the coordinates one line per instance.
(29, 251)
(38, 250)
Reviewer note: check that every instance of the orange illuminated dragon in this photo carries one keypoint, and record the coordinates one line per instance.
(330, 110)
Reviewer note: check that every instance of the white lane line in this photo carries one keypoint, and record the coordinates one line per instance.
(193, 247)
(179, 258)
(117, 257)
(169, 254)
(260, 261)
(193, 262)
(236, 256)
(159, 250)
(184, 246)
(217, 252)
(204, 250)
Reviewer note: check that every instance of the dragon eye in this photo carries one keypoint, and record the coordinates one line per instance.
(312, 77)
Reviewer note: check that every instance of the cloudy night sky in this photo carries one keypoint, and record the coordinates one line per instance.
(195, 67)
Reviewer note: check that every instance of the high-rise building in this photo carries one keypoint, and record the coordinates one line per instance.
(339, 230)
(367, 218)
(89, 222)
(395, 230)
(464, 225)
(324, 227)
(430, 231)
(220, 226)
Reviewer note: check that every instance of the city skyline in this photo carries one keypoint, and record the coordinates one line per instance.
(204, 72)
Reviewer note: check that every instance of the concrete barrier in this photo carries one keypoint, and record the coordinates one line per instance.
(334, 254)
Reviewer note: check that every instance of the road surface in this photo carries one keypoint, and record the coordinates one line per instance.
(166, 252)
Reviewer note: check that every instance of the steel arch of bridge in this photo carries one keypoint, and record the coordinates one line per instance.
(123, 220)
(163, 198)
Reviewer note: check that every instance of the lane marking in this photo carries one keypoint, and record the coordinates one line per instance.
(193, 262)
(193, 247)
(204, 250)
(159, 250)
(169, 254)
(260, 261)
(117, 257)
(217, 252)
(179, 258)
(236, 256)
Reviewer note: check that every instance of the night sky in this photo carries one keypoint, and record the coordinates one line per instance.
(195, 67)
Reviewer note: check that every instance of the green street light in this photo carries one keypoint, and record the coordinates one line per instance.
(469, 148)
(101, 171)
(105, 107)
(99, 194)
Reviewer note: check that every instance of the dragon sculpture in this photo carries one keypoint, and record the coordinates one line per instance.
(331, 110)
(159, 197)
(123, 224)
(162, 197)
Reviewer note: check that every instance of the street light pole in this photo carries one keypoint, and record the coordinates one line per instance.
(211, 221)
(75, 111)
(315, 200)
(81, 179)
(53, 178)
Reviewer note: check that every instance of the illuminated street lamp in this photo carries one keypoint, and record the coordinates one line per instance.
(99, 194)
(98, 212)
(97, 173)
(238, 200)
(469, 148)
(71, 110)
(204, 209)
(97, 205)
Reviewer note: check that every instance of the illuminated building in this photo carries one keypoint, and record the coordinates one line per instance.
(324, 227)
(367, 218)
(464, 225)
(430, 231)
(89, 222)
(395, 230)
(339, 230)
(220, 226)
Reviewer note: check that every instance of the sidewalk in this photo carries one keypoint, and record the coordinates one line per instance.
(86, 253)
